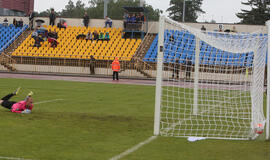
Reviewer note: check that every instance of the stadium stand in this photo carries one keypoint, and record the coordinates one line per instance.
(184, 48)
(70, 47)
(9, 34)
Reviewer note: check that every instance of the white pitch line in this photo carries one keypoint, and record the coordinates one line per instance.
(13, 158)
(54, 100)
(134, 148)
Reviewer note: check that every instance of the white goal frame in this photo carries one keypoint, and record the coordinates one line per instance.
(159, 77)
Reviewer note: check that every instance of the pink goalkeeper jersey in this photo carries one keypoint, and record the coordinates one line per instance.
(19, 107)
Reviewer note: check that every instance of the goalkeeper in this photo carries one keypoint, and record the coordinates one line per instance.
(25, 106)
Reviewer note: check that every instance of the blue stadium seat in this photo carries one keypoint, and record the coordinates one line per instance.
(185, 47)
(9, 34)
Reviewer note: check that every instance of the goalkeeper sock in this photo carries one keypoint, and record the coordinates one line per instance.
(17, 91)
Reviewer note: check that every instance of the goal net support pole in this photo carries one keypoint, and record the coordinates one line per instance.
(196, 76)
(268, 85)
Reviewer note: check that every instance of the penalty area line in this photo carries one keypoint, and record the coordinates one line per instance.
(13, 158)
(133, 149)
(53, 100)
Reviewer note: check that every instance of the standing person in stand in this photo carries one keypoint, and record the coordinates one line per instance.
(31, 20)
(85, 19)
(52, 17)
(116, 68)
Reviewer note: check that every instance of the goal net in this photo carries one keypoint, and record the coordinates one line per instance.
(209, 84)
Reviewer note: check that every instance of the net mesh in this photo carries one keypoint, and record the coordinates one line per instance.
(212, 83)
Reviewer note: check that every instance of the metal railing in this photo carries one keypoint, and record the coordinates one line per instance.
(101, 65)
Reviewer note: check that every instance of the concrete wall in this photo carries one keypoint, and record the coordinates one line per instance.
(212, 27)
(71, 70)
(127, 73)
(153, 26)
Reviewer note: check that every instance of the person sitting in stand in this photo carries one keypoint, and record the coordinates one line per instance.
(203, 29)
(37, 39)
(89, 36)
(125, 19)
(171, 39)
(52, 34)
(129, 18)
(101, 36)
(14, 22)
(108, 21)
(133, 19)
(142, 17)
(62, 24)
(95, 35)
(107, 36)
(20, 23)
(53, 42)
(5, 23)
(138, 19)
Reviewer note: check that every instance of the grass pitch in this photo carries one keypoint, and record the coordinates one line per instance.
(96, 121)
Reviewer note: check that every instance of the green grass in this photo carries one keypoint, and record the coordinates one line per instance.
(98, 121)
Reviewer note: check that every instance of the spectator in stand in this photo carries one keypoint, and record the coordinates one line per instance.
(96, 36)
(129, 18)
(85, 19)
(53, 42)
(138, 19)
(107, 36)
(234, 29)
(142, 17)
(14, 22)
(203, 29)
(62, 24)
(20, 23)
(171, 39)
(188, 64)
(31, 19)
(89, 36)
(108, 21)
(5, 23)
(52, 17)
(125, 19)
(101, 36)
(176, 68)
(133, 18)
(220, 28)
(52, 34)
(37, 39)
(115, 68)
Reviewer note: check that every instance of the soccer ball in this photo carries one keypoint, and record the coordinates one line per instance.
(259, 128)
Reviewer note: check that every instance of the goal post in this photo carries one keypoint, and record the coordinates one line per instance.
(210, 84)
(159, 75)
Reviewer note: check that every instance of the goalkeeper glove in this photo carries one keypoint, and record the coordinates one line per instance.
(27, 111)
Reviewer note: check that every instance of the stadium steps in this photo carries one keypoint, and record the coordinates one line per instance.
(7, 62)
(17, 42)
(145, 45)
(140, 54)
(140, 65)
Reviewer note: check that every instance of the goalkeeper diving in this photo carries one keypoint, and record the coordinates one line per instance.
(24, 106)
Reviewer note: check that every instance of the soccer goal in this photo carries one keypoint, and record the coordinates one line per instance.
(210, 84)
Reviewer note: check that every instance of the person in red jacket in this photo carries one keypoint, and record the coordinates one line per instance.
(25, 106)
(116, 68)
